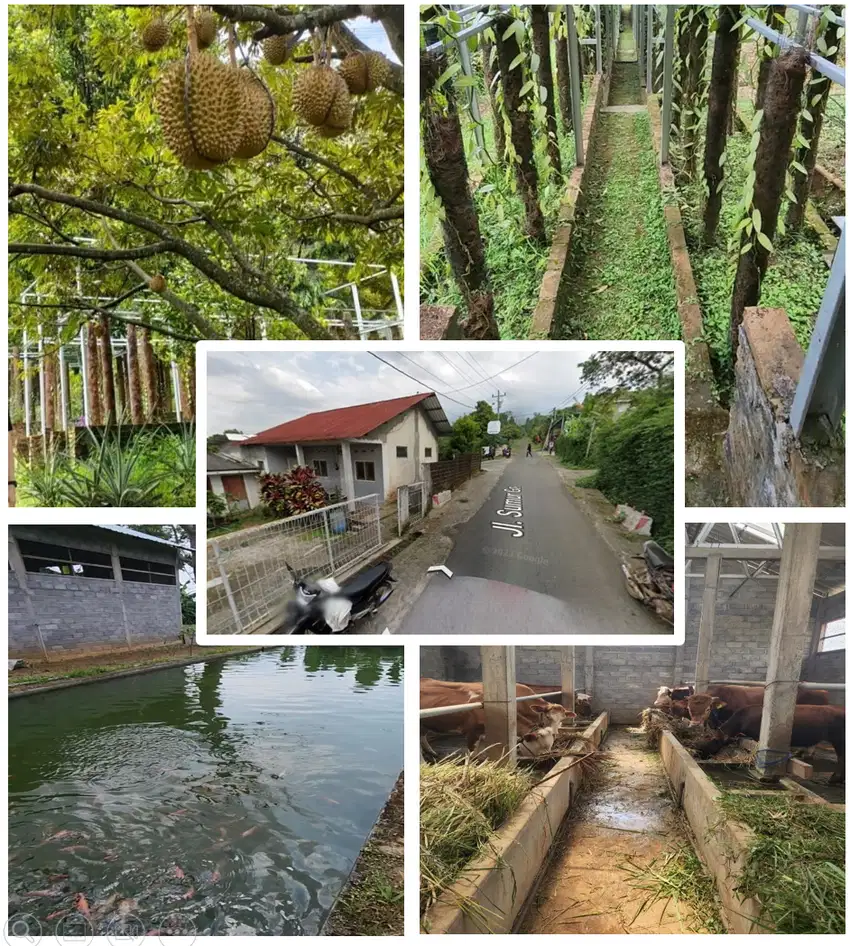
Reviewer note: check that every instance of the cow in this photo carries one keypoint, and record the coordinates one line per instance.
(583, 705)
(674, 694)
(536, 743)
(531, 715)
(720, 701)
(812, 724)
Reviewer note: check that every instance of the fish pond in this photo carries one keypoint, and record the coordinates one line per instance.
(227, 797)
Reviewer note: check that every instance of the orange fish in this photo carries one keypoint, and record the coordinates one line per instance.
(82, 906)
(56, 915)
(178, 872)
(189, 894)
(249, 832)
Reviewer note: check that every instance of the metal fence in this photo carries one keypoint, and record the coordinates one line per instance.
(411, 501)
(248, 583)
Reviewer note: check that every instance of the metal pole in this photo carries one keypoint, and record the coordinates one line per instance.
(27, 387)
(328, 540)
(819, 399)
(84, 370)
(598, 39)
(361, 328)
(575, 84)
(667, 88)
(397, 296)
(42, 386)
(63, 387)
(227, 590)
(802, 24)
(477, 127)
(649, 12)
(175, 384)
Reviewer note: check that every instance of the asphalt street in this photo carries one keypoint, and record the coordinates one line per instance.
(529, 562)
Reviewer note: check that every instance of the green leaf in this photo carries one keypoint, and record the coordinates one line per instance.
(745, 249)
(765, 242)
(526, 88)
(509, 32)
(807, 115)
(757, 219)
(722, 160)
(544, 94)
(517, 60)
(759, 115)
(452, 71)
(799, 167)
(535, 63)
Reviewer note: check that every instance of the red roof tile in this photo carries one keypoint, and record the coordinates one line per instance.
(343, 423)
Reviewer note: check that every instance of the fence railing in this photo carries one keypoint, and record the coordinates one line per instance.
(412, 501)
(447, 474)
(248, 583)
(463, 707)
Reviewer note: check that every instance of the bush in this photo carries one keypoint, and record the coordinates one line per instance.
(635, 461)
(288, 494)
(216, 507)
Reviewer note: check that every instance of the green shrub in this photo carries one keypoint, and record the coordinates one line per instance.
(635, 461)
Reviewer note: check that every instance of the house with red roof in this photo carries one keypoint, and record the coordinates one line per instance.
(359, 450)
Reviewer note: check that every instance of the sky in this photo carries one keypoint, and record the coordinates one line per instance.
(373, 35)
(251, 391)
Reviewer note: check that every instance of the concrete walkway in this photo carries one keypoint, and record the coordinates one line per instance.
(628, 818)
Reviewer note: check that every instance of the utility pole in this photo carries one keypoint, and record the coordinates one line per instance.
(497, 397)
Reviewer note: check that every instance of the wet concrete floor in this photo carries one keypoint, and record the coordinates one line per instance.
(625, 817)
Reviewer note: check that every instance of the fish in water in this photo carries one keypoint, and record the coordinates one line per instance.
(53, 877)
(65, 833)
(180, 811)
(56, 914)
(74, 848)
(82, 905)
(128, 906)
(189, 894)
(249, 832)
(110, 855)
(55, 891)
(178, 872)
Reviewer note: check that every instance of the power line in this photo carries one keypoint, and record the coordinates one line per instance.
(419, 381)
(502, 371)
(420, 367)
(475, 367)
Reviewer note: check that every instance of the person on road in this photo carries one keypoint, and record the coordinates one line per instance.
(528, 450)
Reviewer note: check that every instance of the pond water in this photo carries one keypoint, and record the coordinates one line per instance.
(231, 797)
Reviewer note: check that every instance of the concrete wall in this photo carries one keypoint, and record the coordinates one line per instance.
(330, 453)
(62, 615)
(414, 431)
(252, 487)
(370, 453)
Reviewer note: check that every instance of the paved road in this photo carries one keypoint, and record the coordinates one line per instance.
(530, 562)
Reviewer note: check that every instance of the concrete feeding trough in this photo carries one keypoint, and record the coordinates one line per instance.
(500, 881)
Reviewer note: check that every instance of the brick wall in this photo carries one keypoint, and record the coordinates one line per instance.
(76, 615)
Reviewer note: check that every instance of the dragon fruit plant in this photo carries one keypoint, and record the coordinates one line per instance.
(288, 494)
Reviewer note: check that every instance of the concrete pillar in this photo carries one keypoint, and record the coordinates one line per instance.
(299, 455)
(568, 678)
(347, 470)
(119, 581)
(588, 670)
(788, 642)
(498, 675)
(706, 620)
(16, 562)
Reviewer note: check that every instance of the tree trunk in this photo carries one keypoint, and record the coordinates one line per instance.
(148, 366)
(95, 418)
(540, 41)
(693, 85)
(817, 95)
(723, 79)
(16, 389)
(730, 127)
(492, 83)
(521, 135)
(781, 107)
(446, 161)
(123, 407)
(49, 369)
(562, 65)
(771, 19)
(134, 385)
(191, 374)
(106, 370)
(682, 25)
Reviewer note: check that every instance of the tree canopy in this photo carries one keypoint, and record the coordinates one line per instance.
(99, 207)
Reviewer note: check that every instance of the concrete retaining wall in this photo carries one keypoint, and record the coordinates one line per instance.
(554, 286)
(500, 881)
(767, 466)
(721, 844)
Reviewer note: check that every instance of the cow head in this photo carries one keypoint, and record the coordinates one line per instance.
(555, 714)
(663, 697)
(701, 706)
(536, 743)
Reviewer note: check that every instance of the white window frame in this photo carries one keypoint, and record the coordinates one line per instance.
(364, 464)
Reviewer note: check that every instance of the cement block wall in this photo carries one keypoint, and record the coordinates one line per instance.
(69, 614)
(624, 679)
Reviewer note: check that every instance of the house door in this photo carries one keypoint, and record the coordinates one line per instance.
(234, 486)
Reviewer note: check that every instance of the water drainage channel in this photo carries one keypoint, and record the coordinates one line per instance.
(620, 279)
(621, 823)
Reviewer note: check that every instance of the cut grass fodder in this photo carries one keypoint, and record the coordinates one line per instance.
(795, 863)
(462, 805)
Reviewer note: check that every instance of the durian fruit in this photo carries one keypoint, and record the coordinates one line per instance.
(206, 29)
(276, 49)
(258, 115)
(155, 35)
(364, 72)
(321, 98)
(157, 283)
(206, 130)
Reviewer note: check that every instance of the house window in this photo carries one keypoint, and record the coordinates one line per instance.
(428, 451)
(401, 452)
(320, 467)
(47, 559)
(153, 573)
(364, 470)
(831, 636)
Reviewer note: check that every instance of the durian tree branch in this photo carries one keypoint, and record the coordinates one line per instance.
(295, 148)
(267, 297)
(90, 252)
(381, 215)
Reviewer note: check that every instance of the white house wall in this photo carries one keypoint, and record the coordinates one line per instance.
(331, 455)
(368, 452)
(411, 430)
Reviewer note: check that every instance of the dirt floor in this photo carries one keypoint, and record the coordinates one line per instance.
(622, 824)
(372, 902)
(39, 672)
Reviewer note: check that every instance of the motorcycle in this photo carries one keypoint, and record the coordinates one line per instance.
(324, 607)
(651, 582)
(506, 451)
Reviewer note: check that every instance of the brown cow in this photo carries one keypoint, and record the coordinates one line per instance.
(531, 716)
(720, 701)
(812, 724)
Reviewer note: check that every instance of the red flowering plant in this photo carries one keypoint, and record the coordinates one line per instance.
(288, 494)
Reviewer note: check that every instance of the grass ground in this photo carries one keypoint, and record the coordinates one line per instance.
(372, 903)
(39, 672)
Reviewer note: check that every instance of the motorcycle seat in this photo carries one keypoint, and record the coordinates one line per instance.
(656, 556)
(363, 581)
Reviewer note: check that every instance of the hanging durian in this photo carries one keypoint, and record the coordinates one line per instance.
(276, 49)
(258, 115)
(364, 72)
(206, 29)
(321, 98)
(155, 35)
